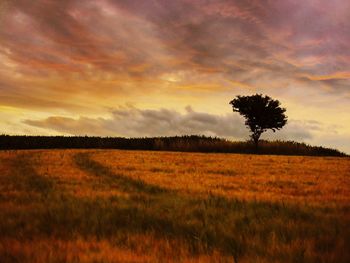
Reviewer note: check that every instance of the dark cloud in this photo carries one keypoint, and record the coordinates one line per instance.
(134, 122)
(296, 130)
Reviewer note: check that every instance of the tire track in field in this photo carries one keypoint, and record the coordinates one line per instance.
(32, 189)
(124, 183)
(232, 226)
(24, 176)
(163, 212)
(203, 223)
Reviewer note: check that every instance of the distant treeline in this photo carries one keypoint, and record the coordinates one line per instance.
(192, 143)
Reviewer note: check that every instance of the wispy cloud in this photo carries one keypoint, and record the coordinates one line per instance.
(243, 40)
(81, 57)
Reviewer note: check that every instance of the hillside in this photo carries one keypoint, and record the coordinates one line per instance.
(147, 206)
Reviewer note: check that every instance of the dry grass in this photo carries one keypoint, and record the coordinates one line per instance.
(315, 180)
(137, 248)
(139, 206)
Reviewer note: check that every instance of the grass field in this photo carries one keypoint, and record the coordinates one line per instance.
(143, 206)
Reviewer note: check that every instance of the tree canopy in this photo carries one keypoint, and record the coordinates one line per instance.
(261, 113)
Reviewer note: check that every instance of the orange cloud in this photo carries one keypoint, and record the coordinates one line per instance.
(81, 57)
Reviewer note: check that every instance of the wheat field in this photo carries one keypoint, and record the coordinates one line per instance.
(144, 206)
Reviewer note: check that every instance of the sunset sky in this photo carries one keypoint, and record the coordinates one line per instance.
(170, 67)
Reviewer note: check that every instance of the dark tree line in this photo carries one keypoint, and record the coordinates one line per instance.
(191, 143)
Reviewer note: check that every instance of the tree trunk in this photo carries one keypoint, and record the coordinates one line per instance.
(256, 143)
(255, 136)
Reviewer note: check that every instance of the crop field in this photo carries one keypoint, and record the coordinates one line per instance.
(144, 206)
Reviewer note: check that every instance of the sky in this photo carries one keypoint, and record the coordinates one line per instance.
(170, 67)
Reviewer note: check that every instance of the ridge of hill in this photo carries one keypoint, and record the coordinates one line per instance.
(187, 143)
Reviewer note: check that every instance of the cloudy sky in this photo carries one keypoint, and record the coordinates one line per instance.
(167, 67)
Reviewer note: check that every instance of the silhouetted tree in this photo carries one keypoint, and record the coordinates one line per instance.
(261, 113)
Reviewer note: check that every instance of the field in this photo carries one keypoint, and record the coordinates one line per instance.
(144, 206)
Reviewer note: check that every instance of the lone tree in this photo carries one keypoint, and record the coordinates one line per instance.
(261, 113)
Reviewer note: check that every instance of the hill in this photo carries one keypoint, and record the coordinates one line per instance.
(152, 206)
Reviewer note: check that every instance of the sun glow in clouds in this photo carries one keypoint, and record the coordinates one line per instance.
(80, 61)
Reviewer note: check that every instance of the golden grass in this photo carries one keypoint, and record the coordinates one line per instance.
(316, 180)
(182, 221)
